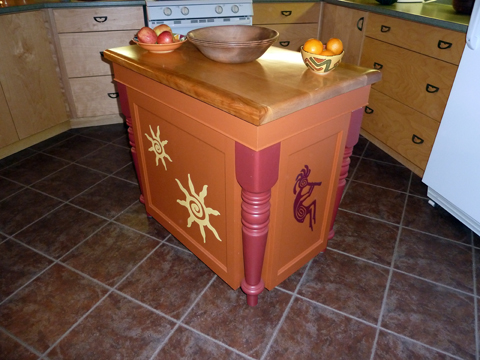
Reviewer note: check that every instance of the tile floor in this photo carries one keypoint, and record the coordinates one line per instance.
(84, 274)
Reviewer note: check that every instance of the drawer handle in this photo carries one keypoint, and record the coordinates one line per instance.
(417, 140)
(431, 89)
(385, 28)
(443, 45)
(100, 19)
(377, 66)
(360, 23)
(284, 43)
(286, 13)
(368, 110)
(113, 95)
(101, 53)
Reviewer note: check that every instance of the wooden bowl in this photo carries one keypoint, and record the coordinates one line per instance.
(321, 64)
(162, 48)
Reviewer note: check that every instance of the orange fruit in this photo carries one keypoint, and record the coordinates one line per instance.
(327, 53)
(335, 45)
(313, 46)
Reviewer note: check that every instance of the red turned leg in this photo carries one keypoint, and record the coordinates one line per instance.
(256, 172)
(352, 139)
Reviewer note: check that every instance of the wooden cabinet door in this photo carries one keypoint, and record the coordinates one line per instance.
(347, 25)
(8, 134)
(28, 73)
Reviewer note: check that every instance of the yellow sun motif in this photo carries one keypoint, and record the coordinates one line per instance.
(197, 209)
(158, 147)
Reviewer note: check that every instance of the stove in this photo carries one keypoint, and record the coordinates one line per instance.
(184, 16)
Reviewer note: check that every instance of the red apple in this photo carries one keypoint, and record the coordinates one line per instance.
(165, 37)
(161, 28)
(147, 36)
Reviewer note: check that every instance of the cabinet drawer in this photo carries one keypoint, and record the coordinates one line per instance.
(95, 96)
(285, 13)
(406, 131)
(292, 36)
(81, 51)
(422, 82)
(430, 40)
(99, 19)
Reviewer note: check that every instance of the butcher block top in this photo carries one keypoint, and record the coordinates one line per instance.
(275, 85)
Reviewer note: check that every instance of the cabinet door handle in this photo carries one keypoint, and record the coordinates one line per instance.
(360, 23)
(286, 13)
(417, 140)
(101, 53)
(385, 28)
(432, 89)
(284, 43)
(443, 45)
(113, 95)
(368, 110)
(377, 66)
(100, 19)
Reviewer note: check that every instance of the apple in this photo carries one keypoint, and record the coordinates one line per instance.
(161, 28)
(165, 37)
(146, 35)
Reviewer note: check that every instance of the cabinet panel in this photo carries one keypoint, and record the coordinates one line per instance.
(8, 134)
(283, 13)
(95, 96)
(81, 51)
(436, 42)
(347, 25)
(401, 128)
(99, 19)
(421, 82)
(292, 36)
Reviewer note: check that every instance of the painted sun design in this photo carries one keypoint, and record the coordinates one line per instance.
(197, 209)
(158, 147)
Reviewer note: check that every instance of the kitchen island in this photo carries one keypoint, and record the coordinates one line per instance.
(242, 163)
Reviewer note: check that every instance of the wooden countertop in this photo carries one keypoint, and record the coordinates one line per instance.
(267, 89)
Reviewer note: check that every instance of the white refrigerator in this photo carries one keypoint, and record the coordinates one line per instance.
(453, 169)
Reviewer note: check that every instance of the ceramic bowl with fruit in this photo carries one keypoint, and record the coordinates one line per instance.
(159, 40)
(320, 58)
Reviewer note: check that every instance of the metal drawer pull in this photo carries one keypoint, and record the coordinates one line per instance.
(286, 13)
(100, 19)
(431, 89)
(444, 45)
(368, 110)
(385, 29)
(284, 43)
(360, 23)
(101, 53)
(417, 140)
(113, 95)
(377, 66)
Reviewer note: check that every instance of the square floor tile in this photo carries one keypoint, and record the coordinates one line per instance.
(14, 158)
(375, 153)
(110, 253)
(346, 284)
(52, 141)
(42, 311)
(127, 173)
(107, 159)
(13, 350)
(8, 188)
(431, 314)
(383, 174)
(223, 314)
(117, 328)
(417, 187)
(106, 133)
(311, 331)
(75, 148)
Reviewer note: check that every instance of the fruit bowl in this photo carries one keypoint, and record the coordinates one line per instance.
(321, 64)
(162, 48)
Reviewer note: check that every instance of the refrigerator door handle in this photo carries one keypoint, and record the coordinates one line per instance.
(474, 27)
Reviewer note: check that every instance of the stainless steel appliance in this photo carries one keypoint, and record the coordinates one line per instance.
(185, 15)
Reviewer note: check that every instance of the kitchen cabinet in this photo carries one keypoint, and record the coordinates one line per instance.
(31, 97)
(418, 64)
(347, 25)
(83, 35)
(295, 22)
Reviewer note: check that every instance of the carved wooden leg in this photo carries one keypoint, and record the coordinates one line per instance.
(352, 139)
(256, 172)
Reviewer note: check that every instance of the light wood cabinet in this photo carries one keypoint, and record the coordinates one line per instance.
(418, 64)
(347, 25)
(31, 96)
(83, 35)
(295, 22)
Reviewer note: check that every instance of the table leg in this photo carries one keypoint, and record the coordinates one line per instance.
(352, 139)
(256, 172)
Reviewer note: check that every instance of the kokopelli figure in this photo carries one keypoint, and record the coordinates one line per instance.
(303, 189)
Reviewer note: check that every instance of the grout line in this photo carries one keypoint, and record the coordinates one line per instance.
(23, 343)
